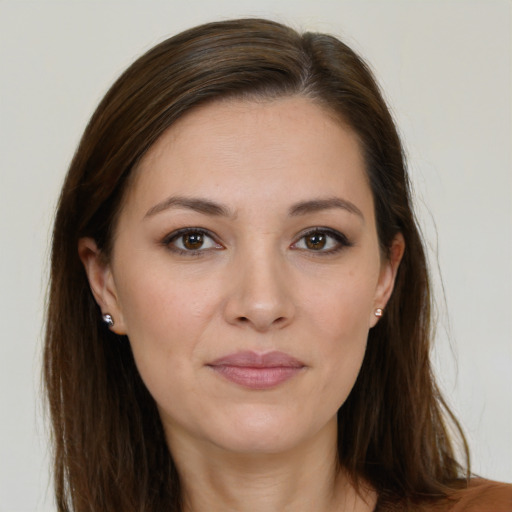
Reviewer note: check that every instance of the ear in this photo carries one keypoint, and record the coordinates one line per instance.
(387, 276)
(101, 282)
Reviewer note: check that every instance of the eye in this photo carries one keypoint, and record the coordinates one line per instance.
(191, 241)
(322, 240)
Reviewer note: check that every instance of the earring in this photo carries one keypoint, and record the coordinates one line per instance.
(378, 312)
(107, 318)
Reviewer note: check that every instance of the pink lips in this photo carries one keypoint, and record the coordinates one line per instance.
(257, 371)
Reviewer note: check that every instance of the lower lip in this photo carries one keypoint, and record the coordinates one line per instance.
(257, 378)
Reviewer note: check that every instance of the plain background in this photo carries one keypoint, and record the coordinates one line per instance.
(445, 67)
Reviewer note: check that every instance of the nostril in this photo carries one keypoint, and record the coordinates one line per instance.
(246, 320)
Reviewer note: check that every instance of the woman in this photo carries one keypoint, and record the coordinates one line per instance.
(239, 306)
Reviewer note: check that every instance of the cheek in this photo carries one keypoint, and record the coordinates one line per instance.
(165, 318)
(342, 306)
(160, 302)
(343, 340)
(340, 325)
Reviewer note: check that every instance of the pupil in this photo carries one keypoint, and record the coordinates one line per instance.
(316, 241)
(193, 240)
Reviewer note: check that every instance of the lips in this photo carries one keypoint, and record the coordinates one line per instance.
(257, 371)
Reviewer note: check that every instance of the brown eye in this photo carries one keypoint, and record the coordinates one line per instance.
(193, 241)
(323, 241)
(316, 241)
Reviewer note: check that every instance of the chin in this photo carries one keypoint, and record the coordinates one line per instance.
(254, 441)
(263, 431)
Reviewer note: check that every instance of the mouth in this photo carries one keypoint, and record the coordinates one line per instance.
(257, 371)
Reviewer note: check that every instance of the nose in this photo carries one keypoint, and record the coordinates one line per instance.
(260, 292)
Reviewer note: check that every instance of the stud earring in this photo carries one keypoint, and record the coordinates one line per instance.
(378, 312)
(107, 318)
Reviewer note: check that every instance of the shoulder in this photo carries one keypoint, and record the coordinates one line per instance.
(484, 495)
(479, 496)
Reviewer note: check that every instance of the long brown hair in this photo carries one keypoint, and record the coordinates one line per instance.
(109, 446)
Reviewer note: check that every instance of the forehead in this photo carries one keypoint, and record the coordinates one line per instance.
(242, 151)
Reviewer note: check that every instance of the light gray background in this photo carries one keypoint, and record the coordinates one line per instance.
(445, 67)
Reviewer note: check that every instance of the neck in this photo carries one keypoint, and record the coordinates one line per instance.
(303, 479)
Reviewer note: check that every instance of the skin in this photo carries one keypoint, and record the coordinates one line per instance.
(255, 284)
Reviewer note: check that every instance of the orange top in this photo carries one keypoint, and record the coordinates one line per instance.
(481, 496)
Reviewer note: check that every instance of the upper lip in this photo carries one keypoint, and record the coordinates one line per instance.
(249, 359)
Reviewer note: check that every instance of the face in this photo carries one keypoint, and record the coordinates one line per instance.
(246, 272)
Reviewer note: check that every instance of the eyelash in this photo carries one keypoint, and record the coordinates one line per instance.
(176, 235)
(340, 239)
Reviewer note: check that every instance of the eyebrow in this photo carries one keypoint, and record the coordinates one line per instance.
(212, 208)
(317, 205)
(191, 203)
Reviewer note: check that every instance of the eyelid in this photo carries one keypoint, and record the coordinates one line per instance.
(168, 240)
(340, 238)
